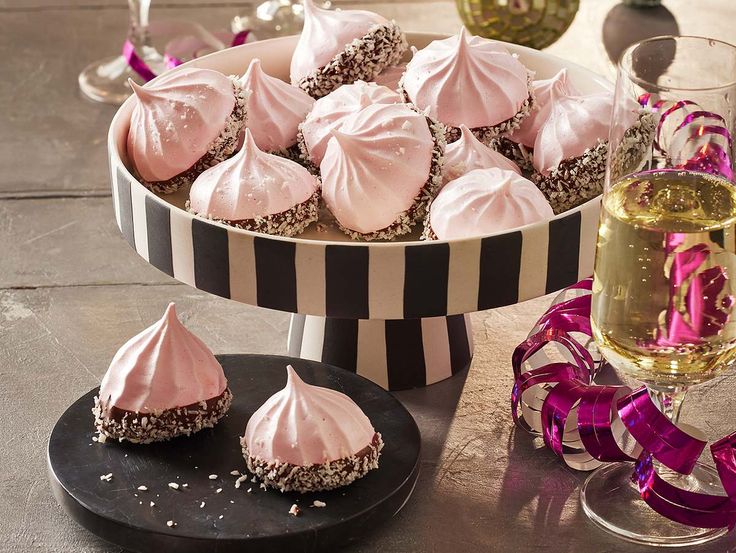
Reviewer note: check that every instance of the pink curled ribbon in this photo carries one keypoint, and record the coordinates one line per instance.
(588, 424)
(191, 45)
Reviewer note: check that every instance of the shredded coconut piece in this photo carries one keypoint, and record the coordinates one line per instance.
(295, 510)
(142, 488)
(170, 523)
(212, 477)
(106, 477)
(173, 485)
(240, 480)
(318, 503)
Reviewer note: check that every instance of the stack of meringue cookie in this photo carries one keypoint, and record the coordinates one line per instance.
(461, 139)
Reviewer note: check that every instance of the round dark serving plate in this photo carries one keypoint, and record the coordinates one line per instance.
(257, 521)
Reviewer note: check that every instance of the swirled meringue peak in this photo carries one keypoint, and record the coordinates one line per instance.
(526, 134)
(306, 438)
(325, 34)
(329, 112)
(467, 80)
(485, 201)
(574, 124)
(176, 119)
(164, 367)
(307, 425)
(376, 167)
(275, 108)
(251, 185)
(469, 153)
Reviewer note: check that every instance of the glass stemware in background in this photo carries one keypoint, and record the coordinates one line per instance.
(274, 18)
(664, 292)
(107, 80)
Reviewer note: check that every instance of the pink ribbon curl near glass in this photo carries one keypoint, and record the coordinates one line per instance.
(587, 424)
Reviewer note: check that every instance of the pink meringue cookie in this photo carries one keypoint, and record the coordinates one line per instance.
(307, 425)
(342, 46)
(257, 191)
(574, 124)
(467, 80)
(376, 168)
(275, 109)
(485, 201)
(163, 367)
(176, 119)
(329, 112)
(469, 153)
(325, 34)
(526, 134)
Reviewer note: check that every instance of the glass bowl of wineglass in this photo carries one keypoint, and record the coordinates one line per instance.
(664, 292)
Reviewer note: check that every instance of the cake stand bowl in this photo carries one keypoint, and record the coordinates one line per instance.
(394, 312)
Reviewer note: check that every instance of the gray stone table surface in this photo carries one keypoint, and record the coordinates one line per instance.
(71, 292)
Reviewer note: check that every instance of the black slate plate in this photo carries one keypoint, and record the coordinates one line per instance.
(256, 521)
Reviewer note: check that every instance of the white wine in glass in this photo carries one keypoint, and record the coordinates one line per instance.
(664, 291)
(664, 294)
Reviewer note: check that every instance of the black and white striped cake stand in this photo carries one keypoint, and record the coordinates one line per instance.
(393, 312)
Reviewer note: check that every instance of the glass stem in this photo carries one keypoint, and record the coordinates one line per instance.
(138, 30)
(670, 402)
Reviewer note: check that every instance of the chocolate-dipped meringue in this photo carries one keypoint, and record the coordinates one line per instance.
(571, 147)
(472, 81)
(183, 123)
(307, 438)
(485, 201)
(275, 111)
(519, 144)
(162, 383)
(328, 114)
(257, 191)
(339, 47)
(381, 170)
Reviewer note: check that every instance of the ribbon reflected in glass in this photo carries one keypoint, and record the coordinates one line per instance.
(588, 424)
(693, 138)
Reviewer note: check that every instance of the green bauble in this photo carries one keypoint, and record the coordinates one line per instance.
(535, 23)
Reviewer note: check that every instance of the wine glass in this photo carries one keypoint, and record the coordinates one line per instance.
(664, 292)
(106, 80)
(274, 18)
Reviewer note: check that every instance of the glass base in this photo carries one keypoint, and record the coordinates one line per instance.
(107, 80)
(611, 500)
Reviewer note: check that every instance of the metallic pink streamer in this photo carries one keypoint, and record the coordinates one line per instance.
(570, 390)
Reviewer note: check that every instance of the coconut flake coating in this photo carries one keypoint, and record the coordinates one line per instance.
(158, 426)
(287, 477)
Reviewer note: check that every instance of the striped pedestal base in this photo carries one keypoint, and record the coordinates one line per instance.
(395, 354)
